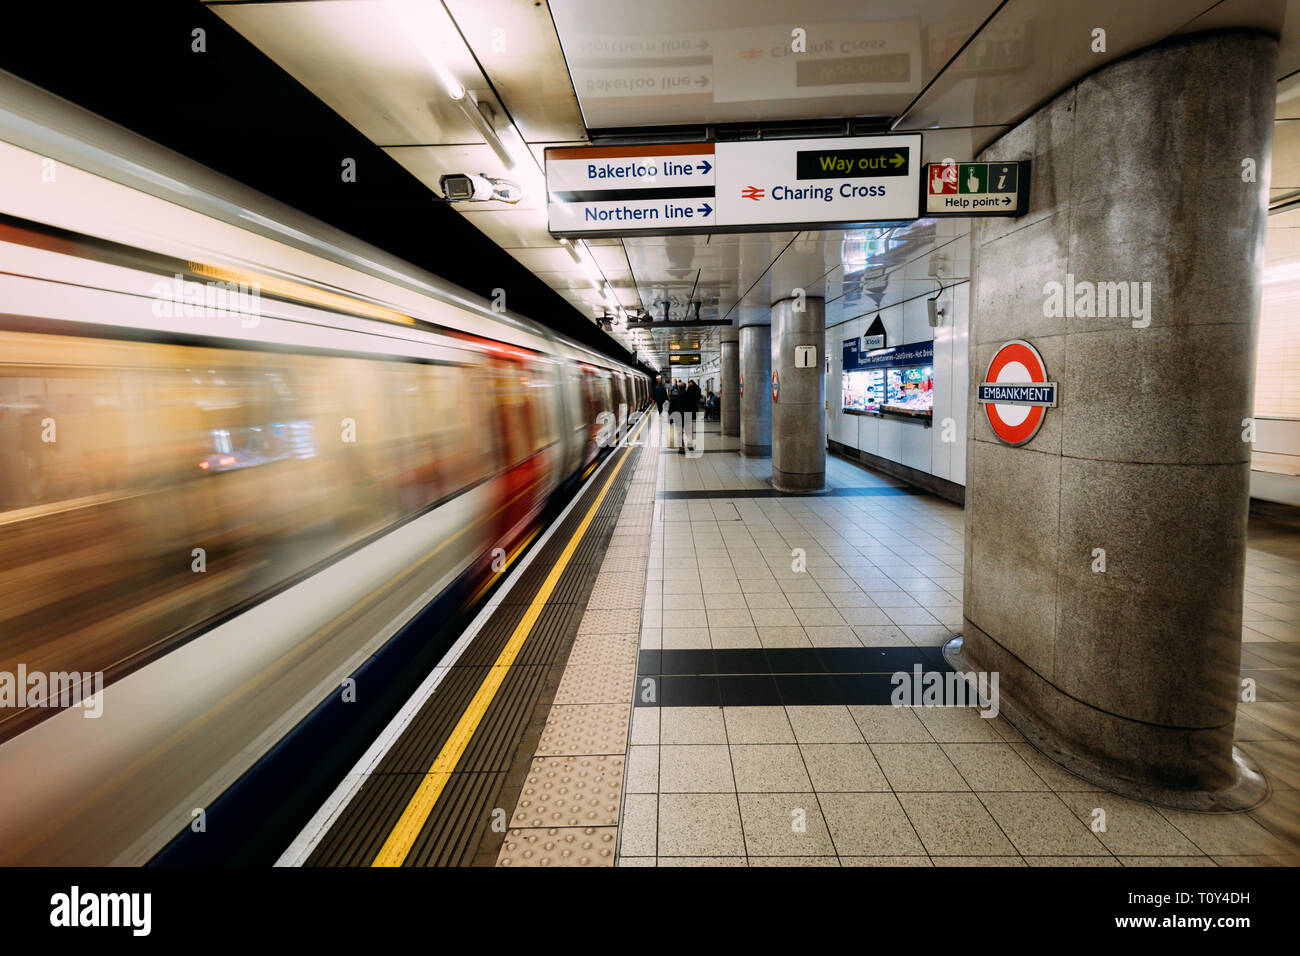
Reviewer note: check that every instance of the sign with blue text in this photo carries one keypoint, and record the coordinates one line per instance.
(900, 356)
(748, 186)
(1015, 392)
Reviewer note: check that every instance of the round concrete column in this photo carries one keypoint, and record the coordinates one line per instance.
(756, 393)
(729, 372)
(798, 396)
(1105, 557)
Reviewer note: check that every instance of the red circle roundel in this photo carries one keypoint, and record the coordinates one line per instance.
(1013, 364)
(776, 385)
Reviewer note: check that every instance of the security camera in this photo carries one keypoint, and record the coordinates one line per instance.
(470, 187)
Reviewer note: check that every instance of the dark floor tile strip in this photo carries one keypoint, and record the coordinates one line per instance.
(877, 492)
(791, 660)
(754, 677)
(706, 451)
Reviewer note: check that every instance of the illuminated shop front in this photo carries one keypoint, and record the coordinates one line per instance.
(892, 381)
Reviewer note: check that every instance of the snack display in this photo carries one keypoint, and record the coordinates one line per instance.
(862, 391)
(909, 391)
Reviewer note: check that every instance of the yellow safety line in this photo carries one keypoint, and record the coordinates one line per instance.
(492, 579)
(408, 827)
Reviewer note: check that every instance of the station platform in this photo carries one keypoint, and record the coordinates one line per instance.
(693, 668)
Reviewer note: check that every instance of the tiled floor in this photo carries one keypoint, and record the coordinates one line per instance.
(872, 565)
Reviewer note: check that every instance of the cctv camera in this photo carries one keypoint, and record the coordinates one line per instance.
(469, 187)
(465, 187)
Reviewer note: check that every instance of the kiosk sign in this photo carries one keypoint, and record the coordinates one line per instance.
(1015, 392)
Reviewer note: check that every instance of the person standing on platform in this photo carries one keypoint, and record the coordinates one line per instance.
(689, 400)
(660, 395)
(675, 398)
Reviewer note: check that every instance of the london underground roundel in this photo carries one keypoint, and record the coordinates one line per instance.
(1015, 392)
(776, 385)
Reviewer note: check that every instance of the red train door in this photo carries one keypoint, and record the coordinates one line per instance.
(514, 418)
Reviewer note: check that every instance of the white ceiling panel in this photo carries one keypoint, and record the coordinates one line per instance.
(516, 45)
(1032, 49)
(359, 60)
(686, 62)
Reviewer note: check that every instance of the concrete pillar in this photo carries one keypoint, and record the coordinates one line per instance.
(799, 402)
(756, 392)
(729, 372)
(1105, 557)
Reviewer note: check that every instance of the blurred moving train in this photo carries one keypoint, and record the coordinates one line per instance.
(239, 450)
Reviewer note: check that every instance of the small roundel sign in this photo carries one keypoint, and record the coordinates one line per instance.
(1015, 392)
(776, 385)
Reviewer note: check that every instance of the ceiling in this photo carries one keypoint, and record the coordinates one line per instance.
(963, 71)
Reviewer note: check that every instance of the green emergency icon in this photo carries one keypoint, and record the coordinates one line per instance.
(973, 178)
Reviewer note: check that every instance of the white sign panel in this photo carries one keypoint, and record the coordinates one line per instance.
(805, 356)
(745, 186)
(843, 180)
(617, 189)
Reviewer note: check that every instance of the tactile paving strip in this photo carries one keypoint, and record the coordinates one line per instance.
(615, 591)
(589, 846)
(621, 621)
(591, 711)
(604, 649)
(586, 729)
(595, 683)
(571, 792)
(462, 820)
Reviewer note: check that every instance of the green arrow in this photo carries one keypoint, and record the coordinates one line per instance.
(899, 159)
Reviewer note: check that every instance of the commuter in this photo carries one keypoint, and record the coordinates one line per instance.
(675, 398)
(689, 402)
(660, 395)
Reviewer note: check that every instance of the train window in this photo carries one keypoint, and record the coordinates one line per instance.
(464, 408)
(514, 414)
(542, 387)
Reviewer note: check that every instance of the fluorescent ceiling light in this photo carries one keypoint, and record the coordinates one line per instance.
(418, 23)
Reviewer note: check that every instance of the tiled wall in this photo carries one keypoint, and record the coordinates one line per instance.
(910, 442)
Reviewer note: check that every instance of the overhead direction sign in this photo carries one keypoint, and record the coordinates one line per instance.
(732, 187)
(1015, 392)
(976, 189)
(619, 189)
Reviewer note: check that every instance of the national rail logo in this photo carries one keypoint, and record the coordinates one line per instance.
(752, 192)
